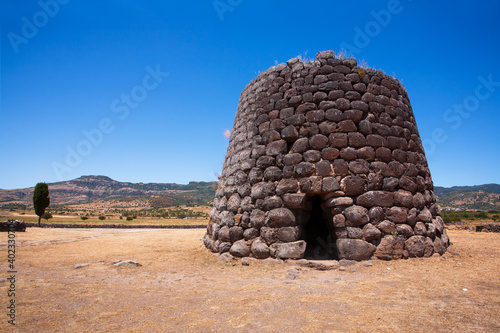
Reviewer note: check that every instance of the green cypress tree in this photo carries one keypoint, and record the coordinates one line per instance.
(41, 199)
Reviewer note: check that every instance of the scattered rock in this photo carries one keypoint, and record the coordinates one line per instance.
(273, 261)
(299, 262)
(323, 265)
(77, 266)
(292, 274)
(226, 257)
(247, 260)
(121, 263)
(347, 263)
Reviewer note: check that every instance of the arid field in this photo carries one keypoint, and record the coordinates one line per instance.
(180, 287)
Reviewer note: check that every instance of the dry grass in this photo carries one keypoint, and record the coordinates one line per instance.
(180, 287)
(73, 219)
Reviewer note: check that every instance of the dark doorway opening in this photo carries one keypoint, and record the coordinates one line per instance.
(319, 234)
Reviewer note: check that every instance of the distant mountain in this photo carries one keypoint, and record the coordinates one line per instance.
(481, 197)
(91, 188)
(495, 188)
(88, 189)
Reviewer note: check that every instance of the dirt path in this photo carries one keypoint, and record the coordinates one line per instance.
(180, 287)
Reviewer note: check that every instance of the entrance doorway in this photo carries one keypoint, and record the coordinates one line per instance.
(319, 233)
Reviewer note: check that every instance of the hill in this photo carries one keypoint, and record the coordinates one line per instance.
(494, 188)
(481, 197)
(106, 191)
(88, 189)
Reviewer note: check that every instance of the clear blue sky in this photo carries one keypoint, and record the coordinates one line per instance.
(67, 67)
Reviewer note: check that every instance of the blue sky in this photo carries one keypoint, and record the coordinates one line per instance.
(67, 67)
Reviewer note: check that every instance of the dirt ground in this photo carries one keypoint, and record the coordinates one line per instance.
(180, 287)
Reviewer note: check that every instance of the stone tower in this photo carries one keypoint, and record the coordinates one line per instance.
(325, 161)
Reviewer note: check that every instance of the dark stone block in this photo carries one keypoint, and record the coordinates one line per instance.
(292, 159)
(390, 248)
(353, 185)
(287, 186)
(290, 133)
(366, 153)
(340, 167)
(355, 249)
(339, 202)
(338, 140)
(330, 153)
(310, 184)
(327, 127)
(346, 126)
(318, 142)
(273, 173)
(415, 246)
(265, 161)
(294, 250)
(330, 184)
(259, 249)
(376, 141)
(348, 154)
(356, 216)
(359, 167)
(295, 200)
(280, 217)
(312, 156)
(300, 146)
(304, 169)
(277, 147)
(376, 198)
(323, 168)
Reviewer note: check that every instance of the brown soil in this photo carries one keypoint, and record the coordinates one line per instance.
(180, 287)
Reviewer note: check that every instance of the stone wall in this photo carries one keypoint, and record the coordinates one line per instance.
(325, 152)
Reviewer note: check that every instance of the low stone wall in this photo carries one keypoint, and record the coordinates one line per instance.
(18, 226)
(114, 226)
(488, 228)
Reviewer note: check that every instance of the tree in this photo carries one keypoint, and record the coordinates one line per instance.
(41, 199)
(46, 216)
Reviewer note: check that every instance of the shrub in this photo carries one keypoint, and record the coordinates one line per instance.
(129, 218)
(481, 215)
(451, 216)
(46, 216)
(102, 217)
(84, 218)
